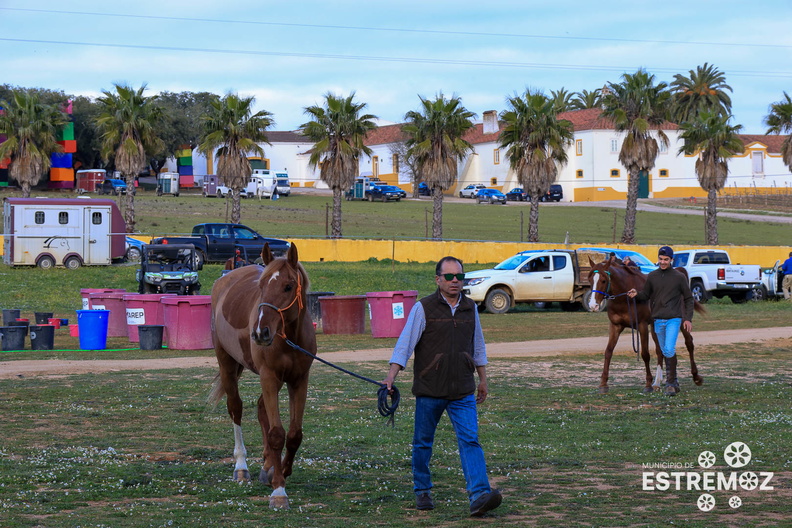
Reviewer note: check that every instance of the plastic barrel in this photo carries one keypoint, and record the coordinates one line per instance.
(13, 337)
(314, 308)
(93, 328)
(42, 337)
(343, 314)
(150, 336)
(42, 317)
(10, 314)
(389, 311)
(188, 319)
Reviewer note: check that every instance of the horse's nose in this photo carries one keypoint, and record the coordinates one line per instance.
(262, 336)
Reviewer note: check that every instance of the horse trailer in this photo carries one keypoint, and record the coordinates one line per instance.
(70, 232)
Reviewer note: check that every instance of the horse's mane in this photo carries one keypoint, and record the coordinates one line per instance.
(277, 265)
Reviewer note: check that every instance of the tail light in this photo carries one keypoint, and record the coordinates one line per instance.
(721, 274)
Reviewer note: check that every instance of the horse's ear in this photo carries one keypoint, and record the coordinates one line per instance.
(292, 255)
(266, 254)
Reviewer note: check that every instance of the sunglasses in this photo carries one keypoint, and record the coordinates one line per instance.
(450, 276)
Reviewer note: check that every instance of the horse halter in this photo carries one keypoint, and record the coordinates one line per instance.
(297, 299)
(606, 293)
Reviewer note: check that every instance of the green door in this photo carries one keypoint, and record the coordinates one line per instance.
(643, 184)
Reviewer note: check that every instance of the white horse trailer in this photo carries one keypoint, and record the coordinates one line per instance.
(71, 232)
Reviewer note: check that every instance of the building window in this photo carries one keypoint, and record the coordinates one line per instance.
(615, 173)
(664, 173)
(63, 218)
(579, 174)
(663, 147)
(496, 156)
(375, 166)
(578, 147)
(395, 162)
(39, 217)
(614, 146)
(96, 218)
(757, 162)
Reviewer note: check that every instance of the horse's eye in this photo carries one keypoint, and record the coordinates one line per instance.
(288, 288)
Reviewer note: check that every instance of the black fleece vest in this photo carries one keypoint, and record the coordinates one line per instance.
(443, 366)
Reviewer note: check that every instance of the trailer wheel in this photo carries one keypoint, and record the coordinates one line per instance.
(46, 262)
(72, 263)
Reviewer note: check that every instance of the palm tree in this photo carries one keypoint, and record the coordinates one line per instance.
(536, 143)
(234, 131)
(562, 100)
(704, 90)
(635, 106)
(127, 124)
(31, 136)
(338, 130)
(584, 99)
(779, 121)
(435, 141)
(710, 135)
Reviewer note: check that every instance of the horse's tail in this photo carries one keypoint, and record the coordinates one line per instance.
(217, 392)
(699, 308)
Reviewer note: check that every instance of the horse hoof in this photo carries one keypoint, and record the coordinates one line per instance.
(648, 390)
(603, 390)
(698, 380)
(266, 475)
(241, 475)
(278, 500)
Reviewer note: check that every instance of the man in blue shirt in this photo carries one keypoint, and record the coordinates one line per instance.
(444, 332)
(786, 285)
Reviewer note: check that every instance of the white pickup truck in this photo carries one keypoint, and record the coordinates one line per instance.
(712, 274)
(534, 276)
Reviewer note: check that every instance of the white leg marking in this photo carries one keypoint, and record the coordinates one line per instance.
(658, 377)
(280, 492)
(240, 453)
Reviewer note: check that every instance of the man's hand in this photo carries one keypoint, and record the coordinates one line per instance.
(688, 326)
(392, 373)
(632, 293)
(481, 392)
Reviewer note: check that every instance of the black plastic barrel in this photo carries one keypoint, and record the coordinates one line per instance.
(42, 337)
(21, 324)
(42, 317)
(150, 337)
(13, 337)
(314, 308)
(9, 315)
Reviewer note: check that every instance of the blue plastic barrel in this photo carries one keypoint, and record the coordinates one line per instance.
(93, 328)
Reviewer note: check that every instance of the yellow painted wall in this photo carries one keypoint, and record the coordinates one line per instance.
(596, 194)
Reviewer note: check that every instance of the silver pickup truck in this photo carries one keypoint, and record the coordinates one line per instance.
(712, 274)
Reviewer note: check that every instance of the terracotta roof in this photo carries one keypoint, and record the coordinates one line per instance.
(772, 141)
(286, 137)
(384, 135)
(591, 119)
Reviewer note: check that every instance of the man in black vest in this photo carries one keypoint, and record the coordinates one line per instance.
(443, 330)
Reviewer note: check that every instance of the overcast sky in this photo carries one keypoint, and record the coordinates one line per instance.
(289, 53)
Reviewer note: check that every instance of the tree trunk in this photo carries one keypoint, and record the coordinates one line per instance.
(437, 214)
(712, 217)
(336, 223)
(25, 186)
(129, 203)
(236, 206)
(533, 220)
(628, 235)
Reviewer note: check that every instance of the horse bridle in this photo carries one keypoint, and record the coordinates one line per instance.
(297, 299)
(605, 294)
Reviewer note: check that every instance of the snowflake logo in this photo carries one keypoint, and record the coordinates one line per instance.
(748, 480)
(737, 454)
(706, 502)
(706, 459)
(735, 502)
(398, 311)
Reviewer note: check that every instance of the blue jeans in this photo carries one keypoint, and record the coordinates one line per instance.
(464, 419)
(667, 331)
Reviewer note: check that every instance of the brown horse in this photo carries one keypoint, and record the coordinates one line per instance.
(254, 311)
(612, 280)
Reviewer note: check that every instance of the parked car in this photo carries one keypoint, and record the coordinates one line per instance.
(384, 193)
(517, 194)
(112, 186)
(134, 249)
(554, 194)
(471, 190)
(424, 190)
(490, 196)
(712, 274)
(644, 264)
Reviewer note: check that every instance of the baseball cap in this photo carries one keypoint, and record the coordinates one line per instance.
(665, 251)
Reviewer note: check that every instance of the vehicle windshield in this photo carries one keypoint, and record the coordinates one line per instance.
(512, 263)
(640, 259)
(242, 232)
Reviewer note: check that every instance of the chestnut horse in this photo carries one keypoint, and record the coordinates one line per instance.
(254, 311)
(612, 280)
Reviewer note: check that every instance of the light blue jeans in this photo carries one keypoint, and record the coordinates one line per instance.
(464, 419)
(667, 331)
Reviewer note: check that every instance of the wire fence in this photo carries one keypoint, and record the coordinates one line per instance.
(774, 198)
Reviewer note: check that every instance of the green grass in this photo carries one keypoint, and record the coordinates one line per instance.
(143, 449)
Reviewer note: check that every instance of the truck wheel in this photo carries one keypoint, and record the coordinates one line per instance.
(497, 302)
(133, 254)
(759, 294)
(200, 258)
(460, 194)
(700, 294)
(72, 263)
(384, 198)
(371, 197)
(46, 262)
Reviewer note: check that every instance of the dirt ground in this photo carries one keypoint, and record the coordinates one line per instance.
(545, 348)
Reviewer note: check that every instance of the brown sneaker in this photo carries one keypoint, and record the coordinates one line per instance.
(487, 502)
(423, 501)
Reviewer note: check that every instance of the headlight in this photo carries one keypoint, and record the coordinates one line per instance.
(476, 280)
(190, 277)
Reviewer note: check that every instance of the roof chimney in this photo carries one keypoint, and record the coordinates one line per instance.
(491, 122)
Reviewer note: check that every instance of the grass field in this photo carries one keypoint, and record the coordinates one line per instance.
(143, 449)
